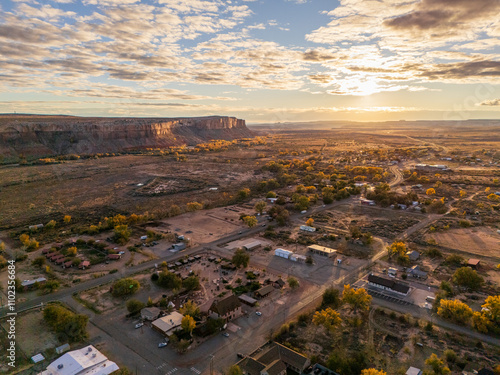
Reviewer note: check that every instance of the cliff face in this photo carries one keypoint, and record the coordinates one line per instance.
(42, 135)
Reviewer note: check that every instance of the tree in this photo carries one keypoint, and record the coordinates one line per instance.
(372, 371)
(260, 206)
(243, 193)
(62, 320)
(430, 191)
(310, 222)
(72, 251)
(468, 278)
(174, 210)
(169, 280)
(293, 282)
(234, 370)
(331, 298)
(3, 262)
(399, 250)
(493, 197)
(2, 246)
(38, 261)
(240, 258)
(190, 308)
(191, 283)
(463, 193)
(302, 203)
(134, 306)
(251, 221)
(194, 206)
(188, 324)
(491, 309)
(328, 318)
(125, 287)
(358, 299)
(455, 311)
(67, 219)
(437, 365)
(122, 234)
(480, 322)
(51, 224)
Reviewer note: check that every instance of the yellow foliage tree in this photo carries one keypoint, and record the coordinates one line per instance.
(455, 310)
(67, 219)
(430, 191)
(328, 318)
(358, 299)
(310, 222)
(188, 324)
(251, 221)
(194, 206)
(463, 193)
(372, 371)
(72, 251)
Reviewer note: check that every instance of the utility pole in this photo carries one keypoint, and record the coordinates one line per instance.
(212, 365)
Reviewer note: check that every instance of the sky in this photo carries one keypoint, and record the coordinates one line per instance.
(263, 61)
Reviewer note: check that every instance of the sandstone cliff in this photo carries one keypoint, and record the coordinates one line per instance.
(45, 135)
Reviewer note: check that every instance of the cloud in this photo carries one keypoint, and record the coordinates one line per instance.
(491, 103)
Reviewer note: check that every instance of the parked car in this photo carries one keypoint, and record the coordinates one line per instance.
(162, 344)
(258, 313)
(139, 325)
(225, 334)
(239, 355)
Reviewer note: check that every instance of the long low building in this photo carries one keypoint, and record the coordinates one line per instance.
(168, 324)
(85, 361)
(388, 284)
(323, 251)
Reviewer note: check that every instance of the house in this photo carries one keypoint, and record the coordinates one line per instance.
(168, 324)
(87, 360)
(323, 251)
(227, 308)
(413, 255)
(264, 291)
(30, 284)
(247, 300)
(272, 200)
(114, 256)
(473, 263)
(282, 253)
(84, 265)
(413, 371)
(179, 246)
(150, 313)
(273, 359)
(68, 264)
(388, 284)
(416, 272)
(279, 284)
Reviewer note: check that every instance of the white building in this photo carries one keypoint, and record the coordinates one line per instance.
(297, 258)
(307, 228)
(85, 361)
(282, 253)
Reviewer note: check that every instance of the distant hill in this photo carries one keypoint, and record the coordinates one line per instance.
(47, 134)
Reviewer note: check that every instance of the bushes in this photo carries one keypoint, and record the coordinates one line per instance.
(124, 287)
(62, 320)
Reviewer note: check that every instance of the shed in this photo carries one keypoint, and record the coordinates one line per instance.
(63, 348)
(247, 300)
(264, 291)
(473, 263)
(282, 253)
(38, 358)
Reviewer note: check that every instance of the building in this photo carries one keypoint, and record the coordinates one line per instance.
(179, 246)
(87, 360)
(414, 371)
(114, 256)
(35, 227)
(430, 168)
(323, 251)
(30, 284)
(252, 245)
(247, 300)
(413, 255)
(282, 253)
(264, 291)
(473, 263)
(416, 272)
(297, 258)
(62, 349)
(279, 284)
(150, 313)
(318, 369)
(84, 265)
(307, 228)
(227, 308)
(388, 284)
(168, 324)
(367, 202)
(273, 359)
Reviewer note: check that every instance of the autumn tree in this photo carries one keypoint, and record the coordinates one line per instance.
(51, 224)
(67, 219)
(455, 311)
(188, 324)
(194, 206)
(260, 206)
(399, 250)
(240, 258)
(271, 194)
(64, 321)
(251, 221)
(72, 251)
(309, 222)
(463, 193)
(468, 278)
(328, 318)
(190, 308)
(243, 193)
(358, 299)
(122, 234)
(372, 371)
(234, 370)
(437, 365)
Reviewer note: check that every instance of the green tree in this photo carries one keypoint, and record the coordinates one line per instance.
(358, 299)
(38, 261)
(243, 193)
(260, 206)
(190, 308)
(191, 283)
(234, 370)
(188, 324)
(302, 203)
(293, 282)
(251, 221)
(169, 280)
(124, 287)
(468, 278)
(122, 234)
(331, 298)
(455, 311)
(240, 258)
(62, 320)
(328, 318)
(271, 194)
(134, 305)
